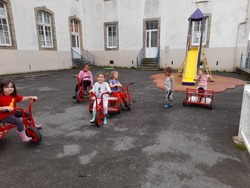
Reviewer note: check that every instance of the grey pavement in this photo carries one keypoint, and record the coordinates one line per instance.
(146, 147)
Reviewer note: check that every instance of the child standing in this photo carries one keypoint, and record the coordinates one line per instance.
(169, 84)
(202, 79)
(8, 100)
(99, 88)
(86, 77)
(114, 85)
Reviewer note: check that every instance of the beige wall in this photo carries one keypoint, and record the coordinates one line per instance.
(23, 61)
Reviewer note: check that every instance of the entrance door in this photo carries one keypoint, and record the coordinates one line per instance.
(75, 38)
(151, 38)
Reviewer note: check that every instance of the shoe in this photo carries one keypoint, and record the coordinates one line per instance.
(74, 97)
(24, 137)
(38, 126)
(167, 106)
(93, 118)
(105, 121)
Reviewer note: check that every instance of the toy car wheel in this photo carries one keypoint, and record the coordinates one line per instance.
(99, 119)
(211, 106)
(80, 96)
(127, 105)
(34, 134)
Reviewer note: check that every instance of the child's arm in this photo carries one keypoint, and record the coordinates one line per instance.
(210, 77)
(172, 83)
(9, 108)
(25, 98)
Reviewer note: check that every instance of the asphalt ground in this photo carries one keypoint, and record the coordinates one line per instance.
(148, 146)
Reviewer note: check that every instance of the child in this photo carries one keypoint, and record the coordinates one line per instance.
(8, 100)
(99, 88)
(114, 85)
(86, 77)
(202, 80)
(169, 84)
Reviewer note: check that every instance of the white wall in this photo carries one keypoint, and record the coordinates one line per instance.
(227, 40)
(27, 57)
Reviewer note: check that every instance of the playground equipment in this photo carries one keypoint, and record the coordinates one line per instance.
(195, 53)
(199, 97)
(28, 122)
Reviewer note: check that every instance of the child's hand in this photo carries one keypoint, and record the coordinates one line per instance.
(34, 97)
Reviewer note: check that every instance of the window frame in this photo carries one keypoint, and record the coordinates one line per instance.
(10, 26)
(45, 25)
(107, 45)
(205, 33)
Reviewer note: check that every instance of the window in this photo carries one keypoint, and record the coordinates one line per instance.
(111, 36)
(196, 32)
(5, 37)
(45, 28)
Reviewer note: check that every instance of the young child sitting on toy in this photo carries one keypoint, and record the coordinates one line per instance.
(169, 84)
(8, 100)
(114, 85)
(202, 80)
(99, 88)
(86, 77)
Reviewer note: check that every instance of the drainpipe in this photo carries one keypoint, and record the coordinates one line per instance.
(237, 38)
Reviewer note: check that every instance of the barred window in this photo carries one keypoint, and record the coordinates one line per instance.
(45, 29)
(5, 36)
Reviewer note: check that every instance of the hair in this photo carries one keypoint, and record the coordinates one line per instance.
(84, 65)
(4, 83)
(101, 73)
(168, 69)
(112, 74)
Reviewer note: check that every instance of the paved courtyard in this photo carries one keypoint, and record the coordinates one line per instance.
(146, 147)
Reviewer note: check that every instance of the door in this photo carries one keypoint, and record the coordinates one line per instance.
(75, 39)
(151, 39)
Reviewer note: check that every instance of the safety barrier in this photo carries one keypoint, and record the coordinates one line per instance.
(244, 127)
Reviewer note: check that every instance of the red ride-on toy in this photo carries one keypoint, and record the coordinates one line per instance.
(29, 124)
(199, 97)
(80, 94)
(125, 96)
(114, 106)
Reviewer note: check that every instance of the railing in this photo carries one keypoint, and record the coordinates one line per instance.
(140, 57)
(79, 59)
(88, 56)
(157, 59)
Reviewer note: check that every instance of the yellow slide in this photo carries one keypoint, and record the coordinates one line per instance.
(190, 67)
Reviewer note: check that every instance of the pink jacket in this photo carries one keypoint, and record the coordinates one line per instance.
(86, 76)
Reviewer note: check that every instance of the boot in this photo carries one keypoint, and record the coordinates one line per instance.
(74, 97)
(93, 117)
(105, 120)
(24, 137)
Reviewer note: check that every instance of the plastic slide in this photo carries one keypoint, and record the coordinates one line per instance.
(190, 67)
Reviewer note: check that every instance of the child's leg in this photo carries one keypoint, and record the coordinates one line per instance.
(19, 124)
(105, 106)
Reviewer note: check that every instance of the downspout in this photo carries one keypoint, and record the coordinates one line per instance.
(237, 37)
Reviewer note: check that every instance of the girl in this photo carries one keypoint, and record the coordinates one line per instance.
(100, 87)
(169, 84)
(86, 77)
(202, 80)
(8, 100)
(114, 85)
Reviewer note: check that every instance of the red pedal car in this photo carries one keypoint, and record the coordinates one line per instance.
(29, 124)
(199, 97)
(80, 94)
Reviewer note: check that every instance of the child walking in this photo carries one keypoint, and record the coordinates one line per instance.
(202, 79)
(86, 77)
(8, 100)
(99, 88)
(169, 84)
(114, 85)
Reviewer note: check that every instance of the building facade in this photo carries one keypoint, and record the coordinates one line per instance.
(38, 35)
